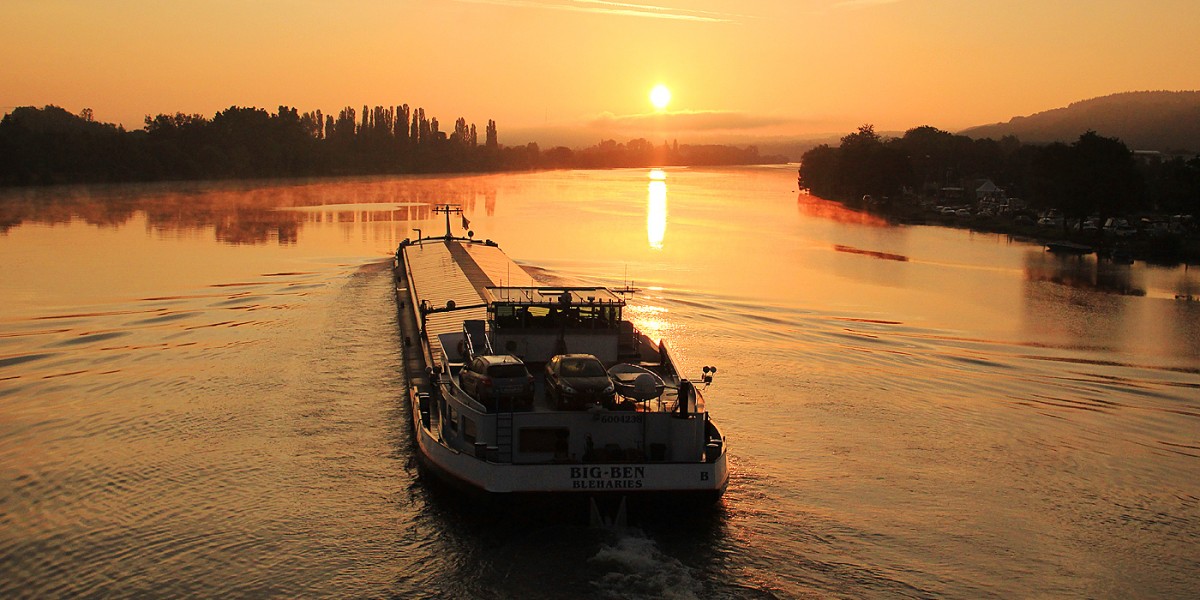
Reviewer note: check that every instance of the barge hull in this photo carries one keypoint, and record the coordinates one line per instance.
(478, 473)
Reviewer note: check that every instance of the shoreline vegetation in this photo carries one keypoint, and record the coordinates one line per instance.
(1091, 195)
(47, 146)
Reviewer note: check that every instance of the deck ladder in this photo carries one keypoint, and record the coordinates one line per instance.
(504, 437)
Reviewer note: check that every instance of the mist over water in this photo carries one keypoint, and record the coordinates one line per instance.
(200, 395)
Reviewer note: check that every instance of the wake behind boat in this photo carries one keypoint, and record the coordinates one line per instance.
(544, 390)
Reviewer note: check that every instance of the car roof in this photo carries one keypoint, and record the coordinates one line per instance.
(576, 358)
(501, 359)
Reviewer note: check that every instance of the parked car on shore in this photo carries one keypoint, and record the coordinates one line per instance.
(1119, 227)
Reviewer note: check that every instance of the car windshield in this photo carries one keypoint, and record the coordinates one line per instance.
(502, 371)
(582, 367)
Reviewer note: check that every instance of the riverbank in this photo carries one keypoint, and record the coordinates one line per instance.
(1149, 238)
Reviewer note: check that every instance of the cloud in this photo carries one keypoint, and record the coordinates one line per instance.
(620, 9)
(691, 120)
(863, 3)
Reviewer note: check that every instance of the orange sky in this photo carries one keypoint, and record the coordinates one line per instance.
(741, 69)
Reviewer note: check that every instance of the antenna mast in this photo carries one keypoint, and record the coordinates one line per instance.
(448, 209)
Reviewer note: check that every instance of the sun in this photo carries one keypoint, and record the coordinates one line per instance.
(660, 96)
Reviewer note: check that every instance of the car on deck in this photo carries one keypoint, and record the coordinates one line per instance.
(578, 381)
(498, 381)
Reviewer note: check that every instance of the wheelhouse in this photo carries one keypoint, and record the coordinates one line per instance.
(538, 323)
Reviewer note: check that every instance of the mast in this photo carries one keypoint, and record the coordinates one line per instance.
(448, 209)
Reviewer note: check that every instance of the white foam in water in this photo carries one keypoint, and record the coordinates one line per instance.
(638, 569)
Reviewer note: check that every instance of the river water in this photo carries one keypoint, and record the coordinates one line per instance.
(200, 396)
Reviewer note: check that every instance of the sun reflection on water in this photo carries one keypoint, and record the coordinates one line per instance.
(656, 209)
(653, 321)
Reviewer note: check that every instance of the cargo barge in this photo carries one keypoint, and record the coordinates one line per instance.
(518, 389)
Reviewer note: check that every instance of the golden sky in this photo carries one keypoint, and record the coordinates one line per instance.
(750, 68)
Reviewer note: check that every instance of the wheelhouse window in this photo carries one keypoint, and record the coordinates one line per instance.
(505, 316)
(553, 308)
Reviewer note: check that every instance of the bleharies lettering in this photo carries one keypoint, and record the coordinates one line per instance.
(606, 484)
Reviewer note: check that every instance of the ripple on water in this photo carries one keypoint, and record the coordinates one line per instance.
(90, 338)
(9, 361)
(160, 454)
(166, 317)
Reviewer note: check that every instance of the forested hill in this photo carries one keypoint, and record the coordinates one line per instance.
(1163, 121)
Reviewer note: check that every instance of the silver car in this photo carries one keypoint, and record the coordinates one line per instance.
(498, 381)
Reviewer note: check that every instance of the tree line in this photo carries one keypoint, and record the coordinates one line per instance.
(50, 145)
(1092, 175)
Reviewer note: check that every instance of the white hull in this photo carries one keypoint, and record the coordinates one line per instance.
(630, 478)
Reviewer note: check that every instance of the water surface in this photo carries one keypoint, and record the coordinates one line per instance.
(200, 395)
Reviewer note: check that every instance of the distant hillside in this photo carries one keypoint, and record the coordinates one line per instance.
(1164, 121)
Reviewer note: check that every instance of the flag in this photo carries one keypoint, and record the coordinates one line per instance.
(466, 223)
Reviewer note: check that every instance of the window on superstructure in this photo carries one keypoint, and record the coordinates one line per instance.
(538, 317)
(543, 439)
(469, 431)
(506, 316)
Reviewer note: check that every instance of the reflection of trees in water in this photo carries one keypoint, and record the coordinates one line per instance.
(814, 206)
(1070, 310)
(1186, 288)
(62, 205)
(245, 212)
(1185, 332)
(1086, 304)
(1083, 272)
(258, 226)
(469, 199)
